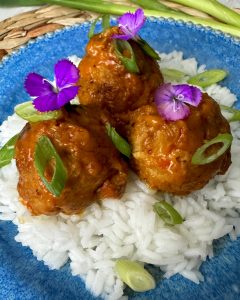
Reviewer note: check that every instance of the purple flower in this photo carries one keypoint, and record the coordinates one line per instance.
(130, 24)
(172, 100)
(48, 96)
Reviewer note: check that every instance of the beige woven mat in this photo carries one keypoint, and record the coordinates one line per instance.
(18, 30)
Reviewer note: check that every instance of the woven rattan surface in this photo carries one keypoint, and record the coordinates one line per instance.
(18, 30)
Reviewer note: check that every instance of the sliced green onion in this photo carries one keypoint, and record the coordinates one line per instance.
(215, 9)
(92, 28)
(107, 7)
(7, 152)
(167, 213)
(173, 74)
(200, 159)
(119, 142)
(134, 275)
(208, 78)
(105, 25)
(44, 154)
(129, 63)
(106, 22)
(27, 112)
(147, 48)
(235, 113)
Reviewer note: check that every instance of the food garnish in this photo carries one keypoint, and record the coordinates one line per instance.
(119, 142)
(167, 213)
(235, 113)
(105, 24)
(44, 154)
(171, 100)
(49, 97)
(134, 275)
(129, 63)
(199, 158)
(7, 151)
(208, 77)
(173, 74)
(27, 112)
(130, 24)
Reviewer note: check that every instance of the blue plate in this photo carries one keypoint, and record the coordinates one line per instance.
(21, 275)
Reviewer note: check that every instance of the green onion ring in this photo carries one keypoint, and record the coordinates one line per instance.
(92, 28)
(129, 63)
(119, 142)
(235, 113)
(147, 48)
(27, 112)
(134, 275)
(7, 152)
(44, 153)
(167, 213)
(173, 74)
(208, 78)
(199, 158)
(105, 24)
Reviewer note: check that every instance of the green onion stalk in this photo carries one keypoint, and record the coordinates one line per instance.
(107, 7)
(117, 9)
(215, 9)
(9, 3)
(155, 5)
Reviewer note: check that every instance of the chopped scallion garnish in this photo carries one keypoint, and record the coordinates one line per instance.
(44, 154)
(106, 22)
(147, 48)
(119, 142)
(208, 78)
(134, 275)
(129, 63)
(173, 74)
(167, 213)
(199, 158)
(27, 112)
(7, 151)
(235, 113)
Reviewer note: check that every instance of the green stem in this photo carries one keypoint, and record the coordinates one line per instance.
(12, 3)
(215, 9)
(115, 9)
(155, 5)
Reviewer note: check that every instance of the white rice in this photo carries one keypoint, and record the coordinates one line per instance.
(128, 227)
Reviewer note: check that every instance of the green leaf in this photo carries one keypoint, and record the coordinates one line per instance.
(119, 142)
(7, 152)
(43, 155)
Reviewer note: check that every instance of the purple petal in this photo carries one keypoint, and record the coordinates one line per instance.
(131, 23)
(36, 85)
(66, 95)
(46, 103)
(122, 37)
(66, 73)
(173, 110)
(189, 94)
(164, 93)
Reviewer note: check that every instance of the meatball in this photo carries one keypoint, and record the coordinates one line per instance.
(106, 82)
(162, 150)
(95, 169)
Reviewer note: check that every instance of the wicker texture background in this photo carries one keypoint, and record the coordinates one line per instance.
(18, 30)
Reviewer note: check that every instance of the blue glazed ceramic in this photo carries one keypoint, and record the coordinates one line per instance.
(21, 275)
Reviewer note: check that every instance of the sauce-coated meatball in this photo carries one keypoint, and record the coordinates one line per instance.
(162, 150)
(106, 82)
(95, 169)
